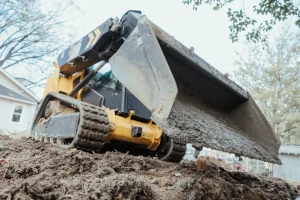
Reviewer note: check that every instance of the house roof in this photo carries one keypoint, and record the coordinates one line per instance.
(4, 91)
(20, 85)
(289, 150)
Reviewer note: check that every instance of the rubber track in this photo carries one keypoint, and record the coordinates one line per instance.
(178, 151)
(93, 126)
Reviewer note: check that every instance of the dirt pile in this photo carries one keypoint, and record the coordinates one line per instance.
(34, 170)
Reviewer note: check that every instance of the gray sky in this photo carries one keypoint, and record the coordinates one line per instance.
(205, 30)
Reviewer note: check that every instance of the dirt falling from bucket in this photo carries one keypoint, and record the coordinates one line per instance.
(202, 129)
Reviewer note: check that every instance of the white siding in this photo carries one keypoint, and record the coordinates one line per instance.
(6, 112)
(290, 168)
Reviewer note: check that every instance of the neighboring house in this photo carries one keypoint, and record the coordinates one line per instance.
(248, 165)
(290, 168)
(17, 105)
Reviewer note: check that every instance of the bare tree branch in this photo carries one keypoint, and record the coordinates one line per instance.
(29, 34)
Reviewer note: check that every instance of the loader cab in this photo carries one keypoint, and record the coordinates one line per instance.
(105, 79)
(105, 89)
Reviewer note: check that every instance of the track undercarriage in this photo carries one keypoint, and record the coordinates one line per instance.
(70, 123)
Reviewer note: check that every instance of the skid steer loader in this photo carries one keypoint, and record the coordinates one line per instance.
(129, 85)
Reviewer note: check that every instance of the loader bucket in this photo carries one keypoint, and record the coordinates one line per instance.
(188, 98)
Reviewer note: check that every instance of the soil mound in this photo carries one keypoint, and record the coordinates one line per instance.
(34, 170)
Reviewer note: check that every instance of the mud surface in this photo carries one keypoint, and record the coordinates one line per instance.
(203, 129)
(34, 170)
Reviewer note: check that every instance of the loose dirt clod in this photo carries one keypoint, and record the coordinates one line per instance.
(36, 170)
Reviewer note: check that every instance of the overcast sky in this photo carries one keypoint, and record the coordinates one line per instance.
(205, 30)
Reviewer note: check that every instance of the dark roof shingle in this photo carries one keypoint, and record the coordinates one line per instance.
(4, 91)
(292, 150)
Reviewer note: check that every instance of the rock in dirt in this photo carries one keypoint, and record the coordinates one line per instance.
(41, 171)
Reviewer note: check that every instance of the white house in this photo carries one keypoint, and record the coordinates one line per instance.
(17, 105)
(290, 168)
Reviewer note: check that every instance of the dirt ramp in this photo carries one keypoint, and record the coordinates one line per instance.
(34, 170)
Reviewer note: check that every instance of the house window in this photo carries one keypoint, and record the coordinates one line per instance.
(17, 114)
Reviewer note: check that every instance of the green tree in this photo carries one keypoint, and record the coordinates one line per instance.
(255, 29)
(30, 30)
(272, 76)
